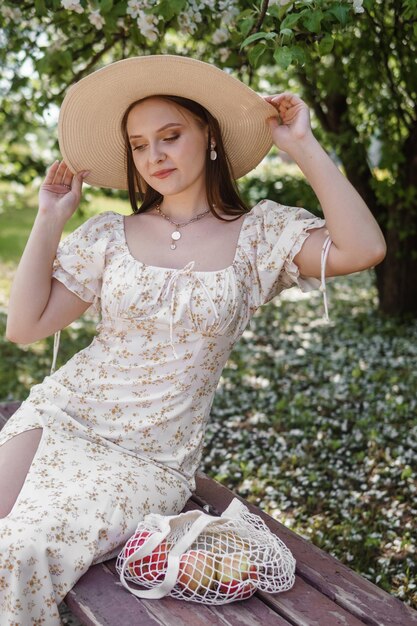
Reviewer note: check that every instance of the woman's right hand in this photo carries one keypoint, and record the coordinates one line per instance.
(55, 198)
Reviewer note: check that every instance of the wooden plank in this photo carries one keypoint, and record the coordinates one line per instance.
(171, 611)
(6, 410)
(97, 601)
(357, 595)
(304, 605)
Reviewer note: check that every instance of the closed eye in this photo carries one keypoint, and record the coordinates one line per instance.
(173, 138)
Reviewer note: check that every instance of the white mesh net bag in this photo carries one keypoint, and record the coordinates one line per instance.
(202, 558)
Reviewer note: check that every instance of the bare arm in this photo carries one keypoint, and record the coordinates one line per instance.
(358, 242)
(32, 283)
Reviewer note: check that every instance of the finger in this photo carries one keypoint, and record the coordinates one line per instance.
(67, 177)
(59, 172)
(279, 102)
(287, 98)
(50, 173)
(78, 180)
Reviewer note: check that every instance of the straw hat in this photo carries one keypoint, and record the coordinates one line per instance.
(89, 132)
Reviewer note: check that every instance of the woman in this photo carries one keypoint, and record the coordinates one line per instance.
(118, 430)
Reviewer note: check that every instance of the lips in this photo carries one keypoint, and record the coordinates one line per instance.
(163, 173)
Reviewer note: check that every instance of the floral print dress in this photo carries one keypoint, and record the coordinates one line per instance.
(124, 419)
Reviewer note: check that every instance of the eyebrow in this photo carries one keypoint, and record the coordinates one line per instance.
(158, 131)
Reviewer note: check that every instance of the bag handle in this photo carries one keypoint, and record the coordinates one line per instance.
(173, 564)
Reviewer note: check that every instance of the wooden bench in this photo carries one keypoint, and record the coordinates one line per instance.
(326, 592)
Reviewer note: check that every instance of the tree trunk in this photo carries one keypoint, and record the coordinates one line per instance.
(396, 276)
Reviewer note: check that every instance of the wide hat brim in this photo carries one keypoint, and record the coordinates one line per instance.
(89, 131)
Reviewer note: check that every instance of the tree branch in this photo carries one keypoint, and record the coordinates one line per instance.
(385, 50)
(255, 29)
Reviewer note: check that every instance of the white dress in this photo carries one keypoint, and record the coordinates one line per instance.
(124, 419)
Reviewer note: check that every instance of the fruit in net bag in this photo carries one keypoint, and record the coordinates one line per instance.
(197, 571)
(149, 568)
(228, 542)
(236, 575)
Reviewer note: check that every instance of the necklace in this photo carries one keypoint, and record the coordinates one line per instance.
(175, 235)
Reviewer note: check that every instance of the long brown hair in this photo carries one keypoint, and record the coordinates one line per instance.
(221, 188)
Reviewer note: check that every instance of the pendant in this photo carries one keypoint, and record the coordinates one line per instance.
(175, 235)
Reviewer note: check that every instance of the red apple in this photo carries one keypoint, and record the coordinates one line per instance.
(228, 542)
(231, 571)
(151, 567)
(197, 571)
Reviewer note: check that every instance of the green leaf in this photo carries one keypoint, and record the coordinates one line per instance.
(326, 44)
(290, 20)
(40, 8)
(275, 11)
(255, 37)
(64, 58)
(278, 11)
(283, 56)
(341, 13)
(256, 53)
(169, 8)
(42, 66)
(165, 10)
(244, 14)
(312, 20)
(178, 5)
(245, 25)
(119, 9)
(299, 54)
(106, 6)
(406, 473)
(286, 32)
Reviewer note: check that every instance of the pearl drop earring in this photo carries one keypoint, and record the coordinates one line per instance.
(213, 153)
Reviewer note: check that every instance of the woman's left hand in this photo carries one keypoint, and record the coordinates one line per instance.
(294, 120)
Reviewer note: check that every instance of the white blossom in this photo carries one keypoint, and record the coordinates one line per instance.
(220, 36)
(96, 19)
(225, 5)
(10, 13)
(147, 25)
(72, 5)
(229, 16)
(186, 24)
(357, 6)
(135, 7)
(224, 54)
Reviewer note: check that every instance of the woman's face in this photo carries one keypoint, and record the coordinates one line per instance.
(181, 146)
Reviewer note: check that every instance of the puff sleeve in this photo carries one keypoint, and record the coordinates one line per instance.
(80, 258)
(280, 233)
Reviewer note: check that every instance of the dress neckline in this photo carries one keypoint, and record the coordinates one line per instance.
(176, 269)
